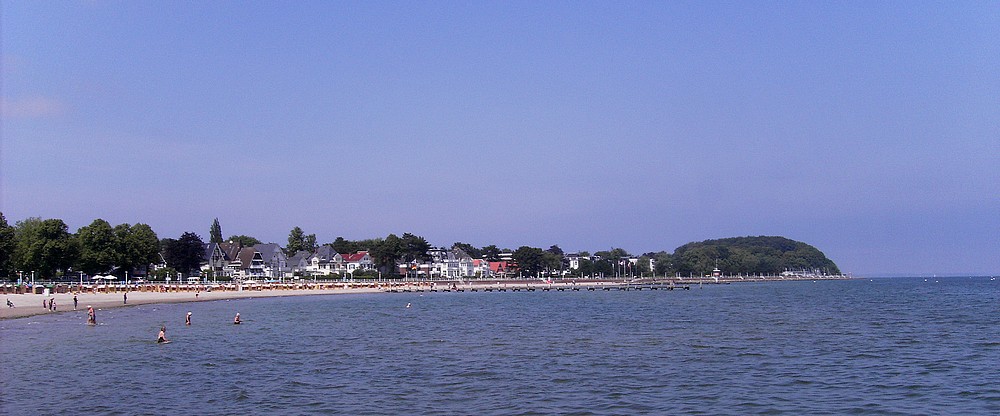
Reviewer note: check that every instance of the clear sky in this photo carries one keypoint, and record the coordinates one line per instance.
(870, 130)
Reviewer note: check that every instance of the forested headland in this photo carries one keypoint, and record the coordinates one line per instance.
(763, 255)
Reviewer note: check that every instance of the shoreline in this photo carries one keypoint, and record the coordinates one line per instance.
(26, 305)
(103, 297)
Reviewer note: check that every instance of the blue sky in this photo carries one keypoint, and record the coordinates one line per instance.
(868, 129)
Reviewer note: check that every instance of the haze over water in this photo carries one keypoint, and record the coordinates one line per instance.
(880, 346)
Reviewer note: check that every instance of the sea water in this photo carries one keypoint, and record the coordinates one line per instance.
(863, 346)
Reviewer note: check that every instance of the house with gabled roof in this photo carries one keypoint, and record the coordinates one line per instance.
(274, 259)
(218, 258)
(297, 264)
(324, 261)
(452, 263)
(214, 260)
(355, 261)
(249, 263)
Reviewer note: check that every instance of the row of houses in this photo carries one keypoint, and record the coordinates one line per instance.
(269, 261)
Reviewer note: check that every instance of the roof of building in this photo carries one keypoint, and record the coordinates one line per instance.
(354, 257)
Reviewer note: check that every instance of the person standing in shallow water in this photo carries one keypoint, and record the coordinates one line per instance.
(236, 320)
(91, 315)
(187, 319)
(162, 337)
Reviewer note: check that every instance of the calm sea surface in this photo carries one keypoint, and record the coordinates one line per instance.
(872, 346)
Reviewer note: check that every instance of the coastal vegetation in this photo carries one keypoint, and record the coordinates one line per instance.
(48, 249)
(751, 256)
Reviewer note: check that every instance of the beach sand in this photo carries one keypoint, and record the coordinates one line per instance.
(30, 304)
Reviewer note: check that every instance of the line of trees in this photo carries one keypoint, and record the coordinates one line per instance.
(49, 249)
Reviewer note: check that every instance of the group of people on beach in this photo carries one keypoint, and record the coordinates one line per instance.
(49, 304)
(162, 336)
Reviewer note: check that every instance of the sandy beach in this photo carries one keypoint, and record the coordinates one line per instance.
(113, 297)
(31, 304)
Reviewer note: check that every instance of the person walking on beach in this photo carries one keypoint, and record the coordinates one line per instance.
(74, 302)
(45, 303)
(125, 298)
(187, 319)
(162, 337)
(52, 304)
(9, 304)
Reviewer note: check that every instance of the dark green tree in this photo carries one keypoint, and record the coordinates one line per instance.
(244, 240)
(99, 248)
(491, 253)
(296, 241)
(468, 249)
(138, 247)
(44, 246)
(530, 260)
(215, 234)
(664, 263)
(415, 248)
(342, 245)
(386, 253)
(7, 245)
(185, 254)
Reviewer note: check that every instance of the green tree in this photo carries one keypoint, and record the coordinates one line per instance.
(7, 245)
(310, 243)
(586, 267)
(468, 249)
(44, 246)
(244, 240)
(386, 253)
(491, 253)
(98, 248)
(415, 248)
(299, 241)
(138, 247)
(664, 263)
(530, 260)
(342, 245)
(185, 254)
(215, 233)
(296, 241)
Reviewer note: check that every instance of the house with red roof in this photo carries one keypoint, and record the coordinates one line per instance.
(355, 261)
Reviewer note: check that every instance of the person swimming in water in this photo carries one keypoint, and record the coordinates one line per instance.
(236, 320)
(163, 335)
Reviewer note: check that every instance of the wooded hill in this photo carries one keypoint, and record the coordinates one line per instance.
(766, 255)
